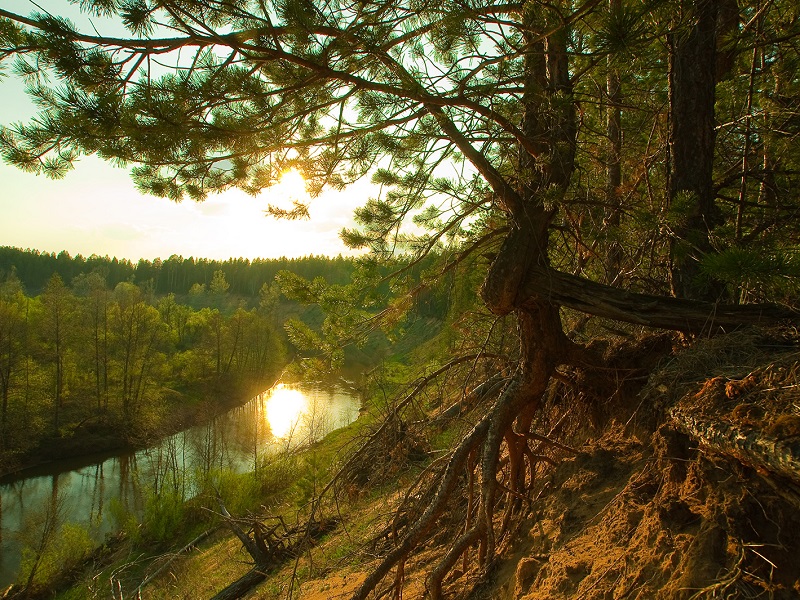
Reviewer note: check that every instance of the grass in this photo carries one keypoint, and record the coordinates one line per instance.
(282, 486)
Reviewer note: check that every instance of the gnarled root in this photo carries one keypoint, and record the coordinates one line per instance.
(497, 445)
(421, 527)
(485, 440)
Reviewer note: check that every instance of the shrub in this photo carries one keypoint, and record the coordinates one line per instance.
(68, 549)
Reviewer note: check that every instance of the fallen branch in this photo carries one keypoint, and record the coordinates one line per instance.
(380, 432)
(267, 546)
(747, 444)
(242, 586)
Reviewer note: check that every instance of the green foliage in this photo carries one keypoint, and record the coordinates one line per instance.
(275, 474)
(175, 274)
(427, 100)
(123, 518)
(312, 476)
(240, 492)
(109, 358)
(622, 31)
(682, 209)
(323, 349)
(69, 548)
(756, 274)
(555, 120)
(164, 518)
(218, 285)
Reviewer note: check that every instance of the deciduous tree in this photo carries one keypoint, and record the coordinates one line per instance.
(57, 323)
(13, 322)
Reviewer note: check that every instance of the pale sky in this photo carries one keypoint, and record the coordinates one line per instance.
(97, 210)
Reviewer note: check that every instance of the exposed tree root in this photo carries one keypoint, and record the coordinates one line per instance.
(421, 527)
(495, 462)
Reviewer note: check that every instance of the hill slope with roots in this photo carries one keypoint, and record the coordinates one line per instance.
(680, 480)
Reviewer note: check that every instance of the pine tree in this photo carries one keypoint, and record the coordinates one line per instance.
(474, 118)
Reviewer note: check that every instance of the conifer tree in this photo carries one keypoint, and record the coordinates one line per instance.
(473, 117)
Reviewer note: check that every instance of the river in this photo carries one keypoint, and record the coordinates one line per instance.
(280, 418)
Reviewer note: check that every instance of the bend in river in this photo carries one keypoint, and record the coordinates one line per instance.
(280, 418)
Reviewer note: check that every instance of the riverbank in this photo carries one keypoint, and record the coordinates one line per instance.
(156, 495)
(92, 440)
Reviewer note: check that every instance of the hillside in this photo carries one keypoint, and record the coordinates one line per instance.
(552, 182)
(679, 480)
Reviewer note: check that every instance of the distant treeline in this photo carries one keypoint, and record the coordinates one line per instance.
(89, 362)
(175, 275)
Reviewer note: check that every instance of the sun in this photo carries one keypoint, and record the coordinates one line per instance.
(285, 407)
(291, 186)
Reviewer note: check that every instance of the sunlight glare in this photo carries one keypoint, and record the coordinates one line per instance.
(292, 186)
(284, 408)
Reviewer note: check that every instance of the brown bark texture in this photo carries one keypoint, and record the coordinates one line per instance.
(750, 445)
(692, 93)
(664, 312)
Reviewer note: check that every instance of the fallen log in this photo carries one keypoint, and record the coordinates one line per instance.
(242, 586)
(750, 445)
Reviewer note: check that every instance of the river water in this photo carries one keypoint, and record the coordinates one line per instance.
(88, 494)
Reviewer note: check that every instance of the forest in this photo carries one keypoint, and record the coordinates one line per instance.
(604, 192)
(86, 366)
(175, 275)
(106, 353)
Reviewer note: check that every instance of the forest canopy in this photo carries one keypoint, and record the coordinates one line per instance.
(173, 275)
(635, 161)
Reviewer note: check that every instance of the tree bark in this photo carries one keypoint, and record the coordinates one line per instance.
(664, 312)
(747, 444)
(692, 87)
(611, 220)
(243, 585)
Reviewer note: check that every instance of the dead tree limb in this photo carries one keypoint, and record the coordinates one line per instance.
(749, 445)
(378, 433)
(257, 552)
(242, 586)
(268, 546)
(663, 312)
(159, 570)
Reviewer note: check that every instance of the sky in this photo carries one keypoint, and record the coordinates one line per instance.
(96, 209)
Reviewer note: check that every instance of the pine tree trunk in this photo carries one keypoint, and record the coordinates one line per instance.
(692, 87)
(611, 220)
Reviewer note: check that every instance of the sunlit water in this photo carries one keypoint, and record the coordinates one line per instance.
(281, 418)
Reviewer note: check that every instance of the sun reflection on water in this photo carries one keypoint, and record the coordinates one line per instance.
(285, 407)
